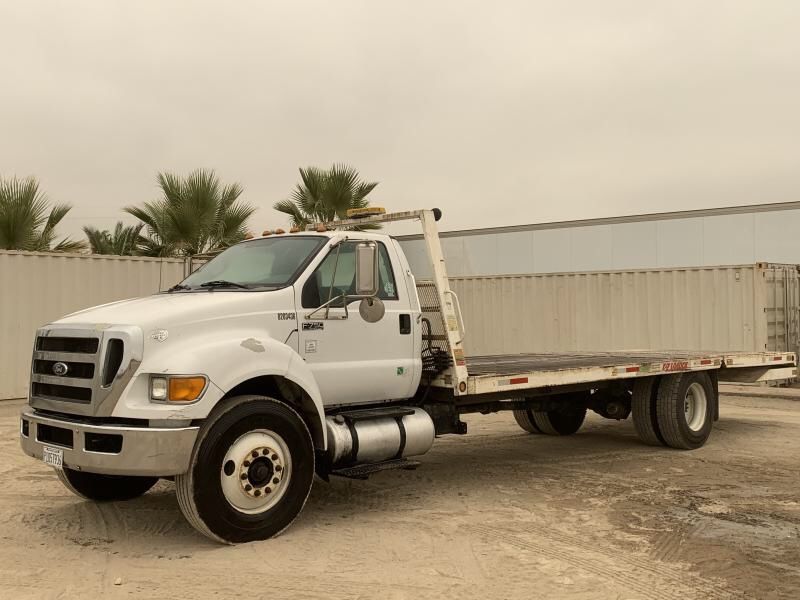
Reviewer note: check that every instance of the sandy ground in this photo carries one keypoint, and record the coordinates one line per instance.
(495, 514)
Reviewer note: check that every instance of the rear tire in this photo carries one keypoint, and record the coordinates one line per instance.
(643, 407)
(251, 471)
(555, 422)
(685, 409)
(105, 488)
(524, 419)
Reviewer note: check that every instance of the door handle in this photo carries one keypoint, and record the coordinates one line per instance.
(405, 324)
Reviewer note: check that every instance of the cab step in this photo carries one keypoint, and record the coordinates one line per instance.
(364, 471)
(383, 412)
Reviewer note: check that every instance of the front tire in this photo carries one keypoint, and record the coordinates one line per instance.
(251, 471)
(105, 488)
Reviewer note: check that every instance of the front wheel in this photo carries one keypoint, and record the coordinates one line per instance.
(251, 471)
(105, 488)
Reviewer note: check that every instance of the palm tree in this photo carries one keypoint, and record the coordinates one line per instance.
(326, 195)
(196, 214)
(26, 224)
(123, 241)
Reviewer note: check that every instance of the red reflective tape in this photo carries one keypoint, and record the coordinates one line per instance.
(778, 358)
(518, 380)
(631, 369)
(706, 361)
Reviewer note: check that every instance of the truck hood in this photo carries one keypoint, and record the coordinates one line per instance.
(178, 308)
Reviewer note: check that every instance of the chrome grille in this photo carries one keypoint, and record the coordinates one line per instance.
(64, 368)
(74, 369)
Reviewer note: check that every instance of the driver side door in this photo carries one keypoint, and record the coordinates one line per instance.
(352, 360)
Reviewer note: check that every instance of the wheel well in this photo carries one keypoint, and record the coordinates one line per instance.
(280, 388)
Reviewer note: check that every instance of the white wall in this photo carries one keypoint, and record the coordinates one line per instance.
(669, 243)
(37, 288)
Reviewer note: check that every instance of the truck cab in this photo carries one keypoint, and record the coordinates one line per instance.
(119, 392)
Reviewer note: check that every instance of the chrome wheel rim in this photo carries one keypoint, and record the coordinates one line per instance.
(256, 471)
(694, 406)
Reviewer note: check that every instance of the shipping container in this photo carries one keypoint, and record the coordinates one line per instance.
(741, 307)
(36, 288)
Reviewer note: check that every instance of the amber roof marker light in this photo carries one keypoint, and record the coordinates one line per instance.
(368, 211)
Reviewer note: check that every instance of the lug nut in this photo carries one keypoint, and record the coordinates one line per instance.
(267, 490)
(266, 451)
(274, 457)
(257, 493)
(278, 467)
(243, 476)
(246, 463)
(276, 481)
(248, 487)
(254, 454)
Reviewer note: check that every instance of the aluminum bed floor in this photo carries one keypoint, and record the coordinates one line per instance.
(509, 364)
(491, 374)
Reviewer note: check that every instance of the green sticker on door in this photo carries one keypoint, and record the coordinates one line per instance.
(401, 370)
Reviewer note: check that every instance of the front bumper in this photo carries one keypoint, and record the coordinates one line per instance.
(110, 449)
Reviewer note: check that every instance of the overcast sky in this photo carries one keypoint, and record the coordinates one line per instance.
(497, 112)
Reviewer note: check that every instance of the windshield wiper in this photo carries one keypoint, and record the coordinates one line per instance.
(222, 283)
(178, 286)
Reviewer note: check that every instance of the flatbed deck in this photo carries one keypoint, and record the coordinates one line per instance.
(498, 373)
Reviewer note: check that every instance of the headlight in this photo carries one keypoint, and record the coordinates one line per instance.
(177, 388)
(158, 388)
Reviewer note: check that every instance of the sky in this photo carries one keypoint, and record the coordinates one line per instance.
(499, 113)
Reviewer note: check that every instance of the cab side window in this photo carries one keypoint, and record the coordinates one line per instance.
(324, 283)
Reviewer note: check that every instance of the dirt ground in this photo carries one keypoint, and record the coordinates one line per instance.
(494, 514)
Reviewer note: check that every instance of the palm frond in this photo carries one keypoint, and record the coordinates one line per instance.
(25, 223)
(296, 216)
(194, 214)
(326, 195)
(69, 245)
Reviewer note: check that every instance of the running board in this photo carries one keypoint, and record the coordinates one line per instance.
(364, 471)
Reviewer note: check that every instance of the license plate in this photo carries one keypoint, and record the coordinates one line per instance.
(53, 457)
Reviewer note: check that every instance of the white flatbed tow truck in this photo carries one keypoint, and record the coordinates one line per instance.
(318, 352)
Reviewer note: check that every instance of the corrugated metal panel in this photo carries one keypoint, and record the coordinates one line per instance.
(37, 288)
(706, 238)
(704, 308)
(782, 306)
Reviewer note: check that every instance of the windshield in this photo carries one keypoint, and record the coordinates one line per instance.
(264, 263)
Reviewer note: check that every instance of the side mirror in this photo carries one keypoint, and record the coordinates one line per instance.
(367, 269)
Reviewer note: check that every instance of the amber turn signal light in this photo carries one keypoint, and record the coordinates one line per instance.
(186, 389)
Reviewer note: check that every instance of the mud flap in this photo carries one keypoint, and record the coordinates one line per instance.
(714, 375)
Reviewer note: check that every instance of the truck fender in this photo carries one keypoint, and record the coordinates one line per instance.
(284, 363)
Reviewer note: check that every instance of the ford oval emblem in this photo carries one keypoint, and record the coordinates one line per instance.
(60, 369)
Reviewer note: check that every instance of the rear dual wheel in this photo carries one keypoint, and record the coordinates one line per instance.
(674, 410)
(565, 421)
